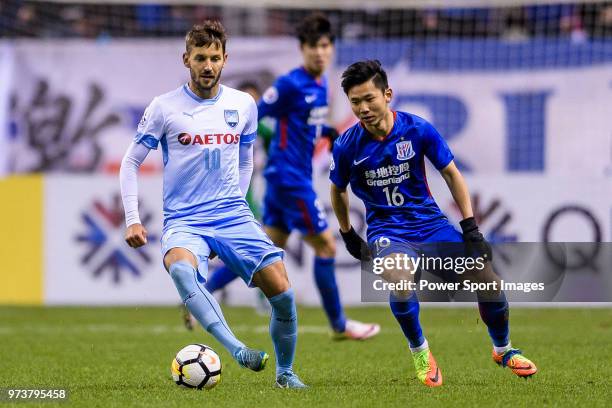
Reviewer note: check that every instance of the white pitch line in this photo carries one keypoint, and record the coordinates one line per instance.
(153, 329)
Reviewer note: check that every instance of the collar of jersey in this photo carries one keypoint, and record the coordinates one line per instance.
(202, 101)
(319, 81)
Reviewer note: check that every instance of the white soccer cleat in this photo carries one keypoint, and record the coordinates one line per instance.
(355, 330)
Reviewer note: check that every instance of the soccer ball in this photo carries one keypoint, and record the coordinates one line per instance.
(196, 366)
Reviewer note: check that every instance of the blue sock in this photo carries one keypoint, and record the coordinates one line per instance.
(283, 330)
(495, 315)
(406, 313)
(325, 278)
(219, 279)
(203, 305)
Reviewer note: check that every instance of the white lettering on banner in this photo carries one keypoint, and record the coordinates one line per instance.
(583, 91)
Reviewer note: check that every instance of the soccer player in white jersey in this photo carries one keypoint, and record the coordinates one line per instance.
(206, 132)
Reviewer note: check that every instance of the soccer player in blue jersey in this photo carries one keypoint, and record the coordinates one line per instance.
(382, 158)
(206, 132)
(298, 102)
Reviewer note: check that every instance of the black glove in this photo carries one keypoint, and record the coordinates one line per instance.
(332, 134)
(474, 239)
(355, 245)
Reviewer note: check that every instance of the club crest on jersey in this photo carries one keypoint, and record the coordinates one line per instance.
(404, 150)
(231, 117)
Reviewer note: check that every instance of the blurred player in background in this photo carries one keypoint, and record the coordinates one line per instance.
(382, 157)
(206, 131)
(298, 102)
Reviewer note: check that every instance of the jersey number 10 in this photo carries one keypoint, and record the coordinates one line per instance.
(212, 160)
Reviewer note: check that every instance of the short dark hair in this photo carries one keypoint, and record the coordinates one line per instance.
(205, 34)
(312, 28)
(362, 71)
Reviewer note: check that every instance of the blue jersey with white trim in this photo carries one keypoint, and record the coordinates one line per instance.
(389, 175)
(298, 102)
(200, 141)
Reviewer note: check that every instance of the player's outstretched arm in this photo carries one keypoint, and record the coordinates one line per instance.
(458, 188)
(355, 245)
(136, 234)
(340, 204)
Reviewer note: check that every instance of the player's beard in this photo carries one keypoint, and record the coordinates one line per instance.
(195, 79)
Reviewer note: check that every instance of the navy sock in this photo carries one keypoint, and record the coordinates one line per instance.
(325, 278)
(219, 279)
(406, 313)
(495, 315)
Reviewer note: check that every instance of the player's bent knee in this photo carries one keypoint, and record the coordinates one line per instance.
(175, 255)
(324, 245)
(181, 273)
(272, 279)
(327, 251)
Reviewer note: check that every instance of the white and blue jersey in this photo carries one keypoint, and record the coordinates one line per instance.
(203, 204)
(389, 177)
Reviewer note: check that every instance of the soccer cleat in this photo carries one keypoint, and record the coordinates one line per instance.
(427, 369)
(252, 359)
(355, 330)
(188, 320)
(289, 380)
(515, 361)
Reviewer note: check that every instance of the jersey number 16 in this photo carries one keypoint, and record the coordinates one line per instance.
(394, 197)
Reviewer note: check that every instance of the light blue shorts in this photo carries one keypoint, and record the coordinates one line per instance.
(242, 246)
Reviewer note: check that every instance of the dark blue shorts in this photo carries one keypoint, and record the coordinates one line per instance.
(294, 209)
(444, 242)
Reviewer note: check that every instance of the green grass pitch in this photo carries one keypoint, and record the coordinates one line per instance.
(115, 357)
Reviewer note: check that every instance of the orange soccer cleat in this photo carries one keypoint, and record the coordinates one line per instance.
(515, 361)
(427, 369)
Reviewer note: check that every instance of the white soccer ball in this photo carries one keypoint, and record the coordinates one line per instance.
(196, 366)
